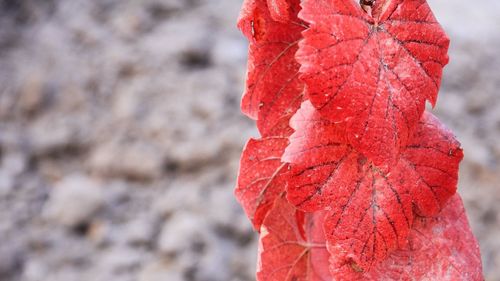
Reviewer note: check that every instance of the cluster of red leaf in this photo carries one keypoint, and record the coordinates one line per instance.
(351, 178)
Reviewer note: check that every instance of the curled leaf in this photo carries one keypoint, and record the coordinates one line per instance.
(273, 89)
(292, 246)
(261, 177)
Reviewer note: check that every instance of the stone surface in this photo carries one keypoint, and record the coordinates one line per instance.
(74, 201)
(182, 233)
(159, 271)
(129, 160)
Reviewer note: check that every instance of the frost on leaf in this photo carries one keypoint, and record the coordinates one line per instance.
(279, 10)
(292, 246)
(370, 209)
(261, 177)
(374, 71)
(273, 90)
(440, 248)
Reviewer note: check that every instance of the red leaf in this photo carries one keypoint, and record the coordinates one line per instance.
(373, 72)
(439, 249)
(279, 10)
(430, 163)
(245, 19)
(261, 176)
(292, 246)
(273, 90)
(371, 208)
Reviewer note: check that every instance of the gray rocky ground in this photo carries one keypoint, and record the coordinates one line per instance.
(120, 136)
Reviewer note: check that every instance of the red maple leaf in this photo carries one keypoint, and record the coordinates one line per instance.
(373, 71)
(370, 208)
(261, 177)
(440, 248)
(292, 246)
(273, 89)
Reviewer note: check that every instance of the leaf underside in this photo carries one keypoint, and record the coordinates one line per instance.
(261, 177)
(292, 246)
(273, 89)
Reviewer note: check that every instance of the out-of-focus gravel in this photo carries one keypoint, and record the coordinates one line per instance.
(120, 135)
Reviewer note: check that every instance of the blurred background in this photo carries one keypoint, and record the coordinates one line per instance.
(120, 136)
